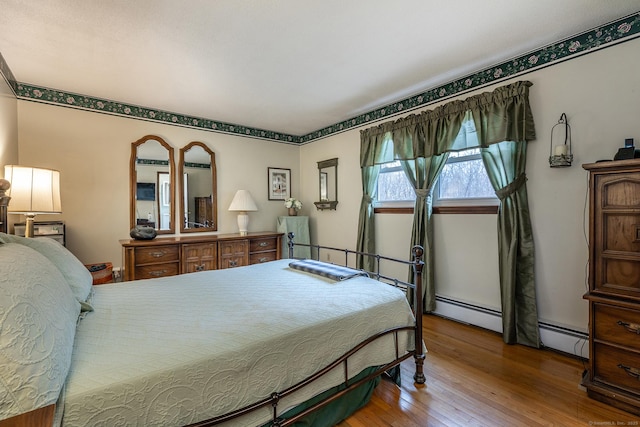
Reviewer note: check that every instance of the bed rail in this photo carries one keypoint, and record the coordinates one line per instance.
(418, 353)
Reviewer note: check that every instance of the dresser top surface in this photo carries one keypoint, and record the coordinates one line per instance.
(197, 239)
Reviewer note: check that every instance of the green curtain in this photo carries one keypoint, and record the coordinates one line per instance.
(375, 149)
(366, 223)
(423, 173)
(504, 124)
(420, 142)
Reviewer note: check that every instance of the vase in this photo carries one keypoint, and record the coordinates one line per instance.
(293, 212)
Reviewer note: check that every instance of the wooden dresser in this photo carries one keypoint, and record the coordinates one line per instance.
(168, 256)
(614, 284)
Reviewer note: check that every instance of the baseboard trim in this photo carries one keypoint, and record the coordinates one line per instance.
(554, 336)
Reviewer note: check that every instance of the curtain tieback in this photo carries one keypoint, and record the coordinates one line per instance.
(422, 193)
(512, 187)
(367, 199)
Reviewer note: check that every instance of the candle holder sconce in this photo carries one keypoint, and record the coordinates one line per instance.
(560, 155)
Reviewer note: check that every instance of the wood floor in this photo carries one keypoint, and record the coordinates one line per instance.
(474, 379)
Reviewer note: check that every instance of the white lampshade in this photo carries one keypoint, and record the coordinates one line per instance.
(243, 203)
(33, 191)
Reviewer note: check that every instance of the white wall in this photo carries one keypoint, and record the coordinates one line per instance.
(8, 125)
(599, 94)
(92, 153)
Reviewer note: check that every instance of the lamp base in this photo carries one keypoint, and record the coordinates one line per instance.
(28, 231)
(243, 223)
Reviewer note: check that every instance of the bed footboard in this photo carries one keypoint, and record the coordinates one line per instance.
(415, 289)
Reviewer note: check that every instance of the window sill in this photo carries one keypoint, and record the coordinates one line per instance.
(472, 210)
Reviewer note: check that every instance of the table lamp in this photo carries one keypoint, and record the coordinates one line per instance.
(242, 203)
(33, 191)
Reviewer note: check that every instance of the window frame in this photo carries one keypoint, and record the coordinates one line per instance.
(483, 205)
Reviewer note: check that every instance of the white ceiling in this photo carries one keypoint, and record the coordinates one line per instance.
(291, 66)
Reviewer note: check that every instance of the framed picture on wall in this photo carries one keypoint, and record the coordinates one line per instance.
(279, 181)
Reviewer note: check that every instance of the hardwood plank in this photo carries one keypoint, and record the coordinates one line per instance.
(474, 379)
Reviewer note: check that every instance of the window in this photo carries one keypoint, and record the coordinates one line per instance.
(462, 184)
(393, 186)
(464, 181)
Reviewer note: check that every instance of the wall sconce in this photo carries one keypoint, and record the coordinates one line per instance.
(242, 203)
(33, 191)
(560, 155)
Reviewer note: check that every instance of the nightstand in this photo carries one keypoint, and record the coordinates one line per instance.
(299, 225)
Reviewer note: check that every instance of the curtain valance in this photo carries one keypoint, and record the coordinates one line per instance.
(501, 115)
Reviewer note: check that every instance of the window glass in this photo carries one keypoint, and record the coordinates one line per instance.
(462, 182)
(393, 185)
(464, 177)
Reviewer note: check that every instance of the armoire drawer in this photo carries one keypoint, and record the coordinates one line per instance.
(617, 367)
(617, 325)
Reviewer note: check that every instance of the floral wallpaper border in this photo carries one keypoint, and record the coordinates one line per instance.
(604, 36)
(152, 162)
(8, 75)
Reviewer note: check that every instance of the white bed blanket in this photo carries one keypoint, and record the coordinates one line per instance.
(177, 350)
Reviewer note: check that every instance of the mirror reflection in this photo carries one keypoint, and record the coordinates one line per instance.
(151, 184)
(198, 199)
(328, 180)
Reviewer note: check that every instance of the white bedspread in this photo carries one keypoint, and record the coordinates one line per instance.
(177, 350)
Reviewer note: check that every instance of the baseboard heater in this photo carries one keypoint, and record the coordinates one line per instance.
(557, 337)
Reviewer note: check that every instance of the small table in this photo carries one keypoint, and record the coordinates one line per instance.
(102, 273)
(299, 225)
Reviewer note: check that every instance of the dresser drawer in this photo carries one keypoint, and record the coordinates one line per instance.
(233, 253)
(157, 254)
(617, 367)
(266, 244)
(259, 258)
(199, 257)
(157, 270)
(617, 325)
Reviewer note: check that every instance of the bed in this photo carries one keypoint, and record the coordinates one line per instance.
(244, 346)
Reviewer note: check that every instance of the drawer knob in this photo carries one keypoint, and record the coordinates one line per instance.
(263, 259)
(633, 372)
(631, 327)
(262, 244)
(157, 254)
(233, 263)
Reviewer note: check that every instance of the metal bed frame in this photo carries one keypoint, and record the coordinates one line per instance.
(44, 416)
(418, 353)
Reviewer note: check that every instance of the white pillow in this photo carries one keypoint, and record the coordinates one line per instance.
(77, 275)
(38, 315)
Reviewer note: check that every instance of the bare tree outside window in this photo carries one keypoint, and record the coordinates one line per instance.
(462, 178)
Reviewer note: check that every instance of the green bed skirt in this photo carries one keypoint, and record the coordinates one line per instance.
(338, 410)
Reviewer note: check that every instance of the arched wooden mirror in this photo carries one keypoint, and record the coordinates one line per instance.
(198, 191)
(152, 184)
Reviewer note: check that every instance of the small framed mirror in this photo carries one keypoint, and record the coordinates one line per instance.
(152, 185)
(328, 184)
(198, 191)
